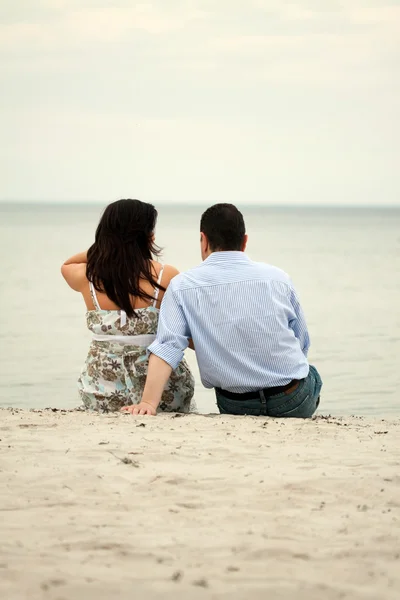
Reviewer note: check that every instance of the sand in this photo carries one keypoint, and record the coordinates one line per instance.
(117, 507)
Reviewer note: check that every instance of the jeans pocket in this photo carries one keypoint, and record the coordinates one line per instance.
(284, 401)
(304, 410)
(302, 403)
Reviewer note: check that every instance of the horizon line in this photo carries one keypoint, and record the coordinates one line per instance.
(96, 203)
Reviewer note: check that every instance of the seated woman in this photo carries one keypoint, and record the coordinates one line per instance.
(123, 285)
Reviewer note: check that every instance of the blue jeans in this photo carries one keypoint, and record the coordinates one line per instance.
(301, 403)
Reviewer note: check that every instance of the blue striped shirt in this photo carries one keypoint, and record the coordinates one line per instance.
(245, 320)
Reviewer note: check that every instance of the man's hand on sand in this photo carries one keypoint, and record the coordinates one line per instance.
(140, 409)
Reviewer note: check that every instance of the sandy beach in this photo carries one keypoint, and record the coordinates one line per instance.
(109, 506)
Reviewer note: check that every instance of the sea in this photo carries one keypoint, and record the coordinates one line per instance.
(344, 262)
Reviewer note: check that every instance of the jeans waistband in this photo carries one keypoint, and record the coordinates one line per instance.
(267, 392)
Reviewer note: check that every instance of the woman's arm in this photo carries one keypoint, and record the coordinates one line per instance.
(77, 259)
(74, 271)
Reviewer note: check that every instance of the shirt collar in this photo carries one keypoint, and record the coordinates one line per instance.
(228, 256)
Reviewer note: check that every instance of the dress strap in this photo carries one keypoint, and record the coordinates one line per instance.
(157, 290)
(94, 296)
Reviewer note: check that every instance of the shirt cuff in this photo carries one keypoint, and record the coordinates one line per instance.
(168, 352)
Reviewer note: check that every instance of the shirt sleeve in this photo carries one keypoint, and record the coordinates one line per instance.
(298, 324)
(173, 331)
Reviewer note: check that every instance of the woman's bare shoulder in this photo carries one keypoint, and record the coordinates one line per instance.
(170, 272)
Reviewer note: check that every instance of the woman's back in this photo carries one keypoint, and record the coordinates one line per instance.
(112, 321)
(122, 314)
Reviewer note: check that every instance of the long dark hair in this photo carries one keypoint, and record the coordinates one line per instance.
(122, 252)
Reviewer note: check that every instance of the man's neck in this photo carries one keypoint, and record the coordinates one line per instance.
(220, 250)
(226, 256)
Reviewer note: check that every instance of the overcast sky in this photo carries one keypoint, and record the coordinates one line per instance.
(259, 101)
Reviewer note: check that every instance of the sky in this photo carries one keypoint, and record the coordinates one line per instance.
(200, 101)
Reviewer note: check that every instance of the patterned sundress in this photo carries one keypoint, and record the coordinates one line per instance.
(115, 371)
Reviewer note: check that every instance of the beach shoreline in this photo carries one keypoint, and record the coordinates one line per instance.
(198, 506)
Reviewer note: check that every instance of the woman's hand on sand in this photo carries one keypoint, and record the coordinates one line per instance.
(143, 408)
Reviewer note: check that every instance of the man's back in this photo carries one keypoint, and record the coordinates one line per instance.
(245, 321)
(247, 326)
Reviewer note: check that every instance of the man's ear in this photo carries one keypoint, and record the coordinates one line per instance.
(203, 242)
(245, 239)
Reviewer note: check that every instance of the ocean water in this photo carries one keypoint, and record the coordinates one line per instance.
(345, 264)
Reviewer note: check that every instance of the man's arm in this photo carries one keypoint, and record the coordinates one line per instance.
(166, 353)
(157, 377)
(298, 324)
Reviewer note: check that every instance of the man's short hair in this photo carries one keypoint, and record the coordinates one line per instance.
(223, 224)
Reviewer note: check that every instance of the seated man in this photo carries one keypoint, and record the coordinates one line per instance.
(247, 326)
